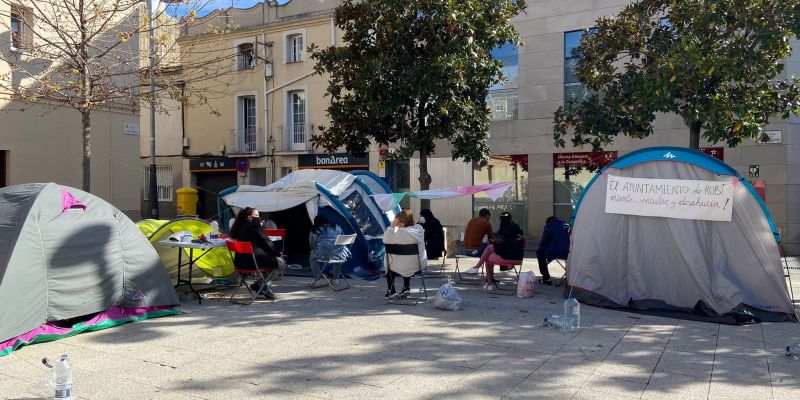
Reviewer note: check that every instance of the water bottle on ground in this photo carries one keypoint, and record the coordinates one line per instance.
(793, 351)
(564, 323)
(62, 379)
(572, 307)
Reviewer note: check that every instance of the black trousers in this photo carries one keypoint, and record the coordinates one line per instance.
(544, 260)
(390, 275)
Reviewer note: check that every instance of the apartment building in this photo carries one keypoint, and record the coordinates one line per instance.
(522, 134)
(42, 141)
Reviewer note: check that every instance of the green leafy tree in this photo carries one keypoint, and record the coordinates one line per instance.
(715, 63)
(411, 73)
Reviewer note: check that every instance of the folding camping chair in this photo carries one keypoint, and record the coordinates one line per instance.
(562, 262)
(460, 255)
(342, 242)
(407, 250)
(251, 274)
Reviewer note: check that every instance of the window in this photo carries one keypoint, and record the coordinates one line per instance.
(574, 91)
(245, 56)
(504, 168)
(21, 34)
(163, 181)
(297, 118)
(246, 139)
(294, 48)
(502, 98)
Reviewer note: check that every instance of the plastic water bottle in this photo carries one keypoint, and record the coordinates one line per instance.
(62, 379)
(793, 351)
(214, 228)
(564, 323)
(572, 307)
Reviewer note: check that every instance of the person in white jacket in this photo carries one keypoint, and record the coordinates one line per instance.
(403, 231)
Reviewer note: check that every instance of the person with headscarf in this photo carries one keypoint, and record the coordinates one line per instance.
(403, 232)
(322, 242)
(508, 245)
(247, 228)
(434, 234)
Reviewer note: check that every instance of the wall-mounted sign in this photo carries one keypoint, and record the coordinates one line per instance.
(670, 198)
(754, 170)
(212, 164)
(716, 152)
(584, 159)
(242, 165)
(771, 137)
(131, 129)
(332, 161)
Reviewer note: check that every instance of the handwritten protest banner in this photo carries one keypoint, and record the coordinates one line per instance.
(670, 198)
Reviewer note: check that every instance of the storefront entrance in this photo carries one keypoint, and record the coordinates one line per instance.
(212, 175)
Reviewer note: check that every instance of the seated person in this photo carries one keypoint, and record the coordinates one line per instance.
(268, 223)
(404, 231)
(321, 241)
(477, 229)
(247, 228)
(434, 234)
(508, 246)
(554, 245)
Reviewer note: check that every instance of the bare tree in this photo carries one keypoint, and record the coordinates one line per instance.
(93, 55)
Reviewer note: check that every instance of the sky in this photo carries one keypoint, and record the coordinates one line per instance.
(207, 6)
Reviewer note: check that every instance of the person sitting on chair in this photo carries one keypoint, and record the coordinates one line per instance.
(404, 231)
(247, 228)
(321, 241)
(508, 245)
(477, 229)
(434, 234)
(268, 223)
(554, 245)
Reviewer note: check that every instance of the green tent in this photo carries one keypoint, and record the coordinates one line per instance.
(216, 263)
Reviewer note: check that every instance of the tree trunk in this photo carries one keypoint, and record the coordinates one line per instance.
(424, 176)
(86, 124)
(694, 135)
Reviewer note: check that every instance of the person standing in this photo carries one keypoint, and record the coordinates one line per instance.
(554, 245)
(477, 236)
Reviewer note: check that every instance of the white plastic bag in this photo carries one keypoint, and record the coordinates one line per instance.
(447, 298)
(525, 285)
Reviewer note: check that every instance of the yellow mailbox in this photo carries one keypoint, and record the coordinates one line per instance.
(186, 201)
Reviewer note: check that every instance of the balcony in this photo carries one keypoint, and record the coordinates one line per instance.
(246, 142)
(297, 139)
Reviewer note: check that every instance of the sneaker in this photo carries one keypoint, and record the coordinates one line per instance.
(490, 288)
(269, 295)
(314, 284)
(472, 271)
(546, 281)
(506, 268)
(404, 293)
(389, 293)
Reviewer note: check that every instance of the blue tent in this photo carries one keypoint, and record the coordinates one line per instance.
(726, 271)
(344, 198)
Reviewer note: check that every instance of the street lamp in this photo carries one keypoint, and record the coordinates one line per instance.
(153, 184)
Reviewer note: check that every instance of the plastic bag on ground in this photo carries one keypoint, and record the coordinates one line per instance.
(525, 285)
(447, 298)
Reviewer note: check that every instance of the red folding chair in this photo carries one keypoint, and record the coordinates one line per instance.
(248, 274)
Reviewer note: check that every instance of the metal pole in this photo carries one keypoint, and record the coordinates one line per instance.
(153, 186)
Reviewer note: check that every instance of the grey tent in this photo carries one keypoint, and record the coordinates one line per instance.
(71, 262)
(721, 271)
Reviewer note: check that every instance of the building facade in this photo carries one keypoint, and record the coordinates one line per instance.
(545, 180)
(42, 142)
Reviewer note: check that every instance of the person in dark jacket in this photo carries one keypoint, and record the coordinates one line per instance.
(247, 228)
(509, 243)
(554, 245)
(434, 234)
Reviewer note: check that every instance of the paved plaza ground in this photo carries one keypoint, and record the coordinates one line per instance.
(316, 344)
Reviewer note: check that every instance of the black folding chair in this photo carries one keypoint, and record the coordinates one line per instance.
(407, 250)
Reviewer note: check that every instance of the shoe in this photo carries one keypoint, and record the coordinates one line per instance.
(546, 281)
(254, 287)
(506, 268)
(335, 282)
(404, 293)
(389, 294)
(314, 284)
(490, 288)
(472, 271)
(269, 295)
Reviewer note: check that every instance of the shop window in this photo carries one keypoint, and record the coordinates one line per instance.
(509, 168)
(571, 174)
